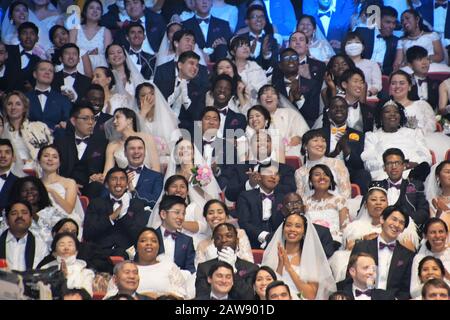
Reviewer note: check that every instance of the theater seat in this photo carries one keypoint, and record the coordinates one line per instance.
(385, 84)
(257, 255)
(84, 202)
(441, 76)
(294, 162)
(447, 155)
(356, 190)
(116, 259)
(433, 157)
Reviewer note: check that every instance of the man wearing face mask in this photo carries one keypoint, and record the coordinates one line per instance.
(226, 241)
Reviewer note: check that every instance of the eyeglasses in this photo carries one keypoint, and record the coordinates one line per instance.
(87, 118)
(177, 212)
(290, 58)
(256, 17)
(392, 164)
(292, 204)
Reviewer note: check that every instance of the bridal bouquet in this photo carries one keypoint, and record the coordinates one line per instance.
(201, 175)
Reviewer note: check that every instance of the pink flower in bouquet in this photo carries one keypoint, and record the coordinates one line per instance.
(202, 175)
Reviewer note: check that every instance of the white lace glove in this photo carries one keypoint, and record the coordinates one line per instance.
(228, 255)
(175, 95)
(184, 94)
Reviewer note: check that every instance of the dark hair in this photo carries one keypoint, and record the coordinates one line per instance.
(391, 209)
(327, 172)
(401, 73)
(50, 146)
(347, 59)
(288, 49)
(305, 226)
(108, 74)
(168, 201)
(114, 170)
(380, 109)
(427, 226)
(80, 291)
(132, 138)
(76, 110)
(268, 29)
(85, 7)
(267, 269)
(219, 264)
(129, 114)
(127, 70)
(416, 14)
(276, 283)
(27, 25)
(158, 236)
(236, 42)
(340, 295)
(70, 45)
(14, 4)
(309, 135)
(301, 32)
(138, 90)
(354, 259)
(7, 142)
(61, 235)
(437, 283)
(215, 201)
(135, 25)
(210, 109)
(265, 87)
(306, 16)
(41, 62)
(44, 200)
(440, 166)
(174, 178)
(94, 86)
(188, 55)
(389, 11)
(61, 223)
(263, 111)
(416, 53)
(23, 202)
(52, 31)
(180, 34)
(225, 77)
(347, 74)
(254, 7)
(227, 225)
(431, 258)
(393, 152)
(331, 102)
(214, 74)
(351, 36)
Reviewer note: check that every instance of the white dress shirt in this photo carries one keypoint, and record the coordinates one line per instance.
(214, 297)
(220, 132)
(393, 193)
(335, 137)
(43, 98)
(15, 252)
(258, 43)
(169, 245)
(422, 90)
(24, 60)
(325, 19)
(135, 60)
(204, 26)
(361, 297)
(384, 262)
(354, 118)
(439, 17)
(81, 147)
(208, 150)
(136, 175)
(379, 48)
(2, 182)
(2, 71)
(125, 204)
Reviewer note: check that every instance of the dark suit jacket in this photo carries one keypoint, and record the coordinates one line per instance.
(217, 28)
(399, 275)
(208, 297)
(20, 76)
(310, 90)
(4, 192)
(92, 161)
(149, 186)
(236, 177)
(100, 124)
(155, 27)
(6, 82)
(391, 48)
(265, 63)
(426, 10)
(148, 64)
(433, 92)
(316, 69)
(242, 287)
(325, 239)
(377, 294)
(412, 199)
(80, 85)
(184, 251)
(56, 109)
(234, 121)
(356, 146)
(249, 212)
(120, 236)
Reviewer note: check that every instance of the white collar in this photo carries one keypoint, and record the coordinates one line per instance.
(380, 239)
(399, 182)
(331, 9)
(44, 90)
(7, 172)
(263, 192)
(213, 296)
(22, 49)
(11, 238)
(261, 35)
(200, 18)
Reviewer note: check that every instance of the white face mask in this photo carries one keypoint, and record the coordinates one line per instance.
(354, 49)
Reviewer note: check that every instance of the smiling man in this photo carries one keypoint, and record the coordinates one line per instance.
(7, 178)
(126, 279)
(220, 277)
(393, 259)
(115, 221)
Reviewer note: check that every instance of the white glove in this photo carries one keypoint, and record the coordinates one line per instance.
(228, 255)
(184, 94)
(174, 96)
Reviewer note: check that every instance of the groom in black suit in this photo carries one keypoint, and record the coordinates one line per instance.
(7, 178)
(143, 61)
(225, 240)
(82, 152)
(393, 259)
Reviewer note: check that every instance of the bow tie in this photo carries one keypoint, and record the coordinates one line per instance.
(381, 37)
(138, 170)
(366, 293)
(3, 176)
(390, 246)
(73, 74)
(396, 186)
(259, 39)
(321, 14)
(420, 81)
(114, 201)
(354, 105)
(126, 23)
(335, 130)
(78, 140)
(169, 233)
(302, 62)
(208, 142)
(206, 20)
(39, 92)
(443, 5)
(24, 53)
(223, 111)
(271, 197)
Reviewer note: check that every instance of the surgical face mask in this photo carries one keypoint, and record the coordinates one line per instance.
(354, 49)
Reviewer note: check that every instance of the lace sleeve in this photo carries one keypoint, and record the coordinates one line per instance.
(200, 254)
(177, 282)
(245, 250)
(343, 179)
(300, 181)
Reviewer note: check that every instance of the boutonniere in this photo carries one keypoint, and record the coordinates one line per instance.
(96, 154)
(242, 272)
(184, 247)
(234, 122)
(304, 89)
(153, 29)
(411, 188)
(279, 206)
(400, 263)
(130, 214)
(353, 136)
(216, 30)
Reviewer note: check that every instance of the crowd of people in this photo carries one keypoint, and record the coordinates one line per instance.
(228, 150)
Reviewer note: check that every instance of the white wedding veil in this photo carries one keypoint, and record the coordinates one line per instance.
(432, 189)
(208, 192)
(314, 266)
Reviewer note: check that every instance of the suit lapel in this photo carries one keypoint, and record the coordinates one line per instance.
(395, 261)
(179, 242)
(373, 249)
(3, 244)
(29, 251)
(162, 240)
